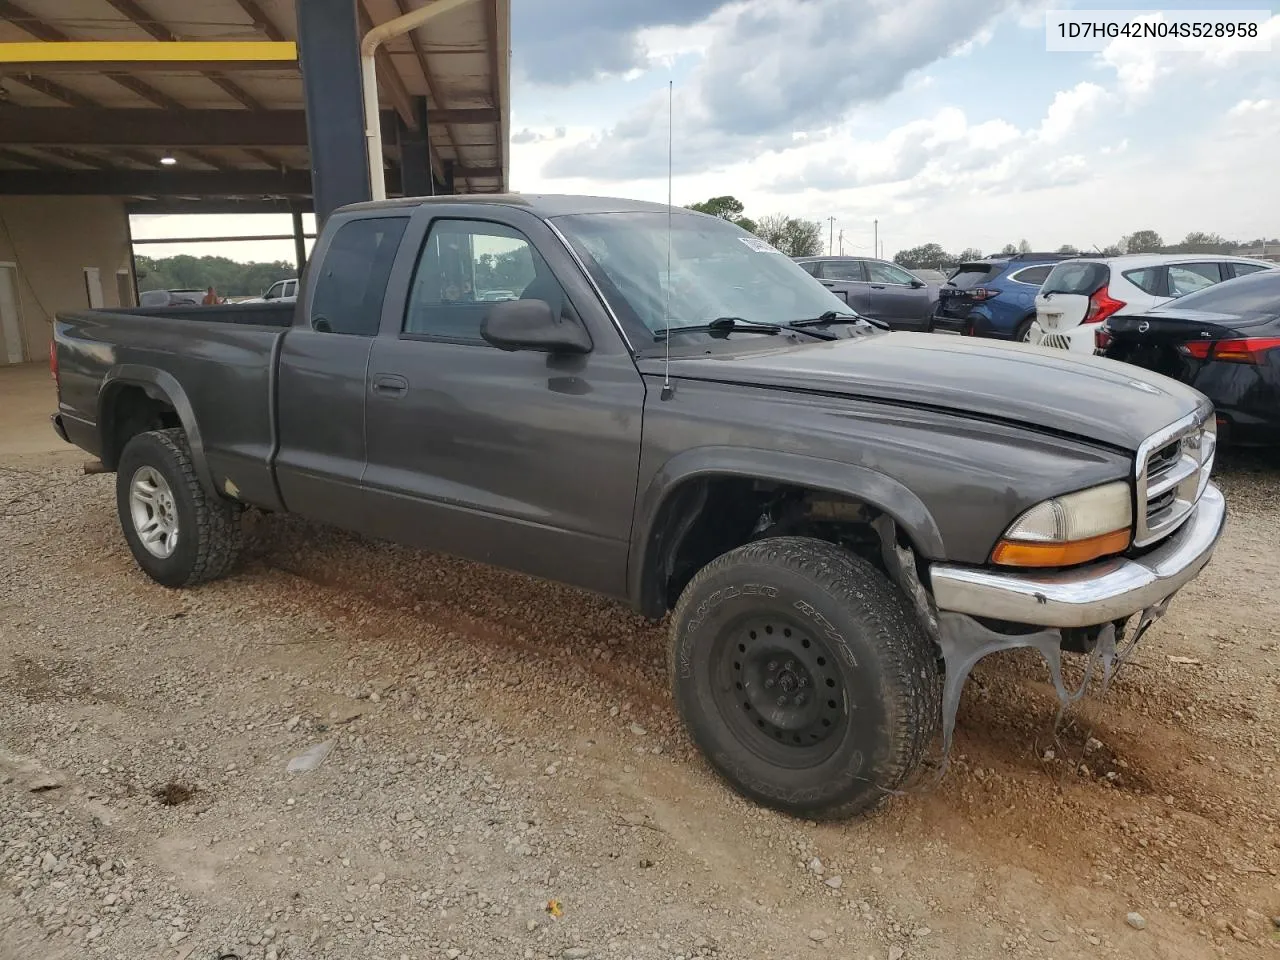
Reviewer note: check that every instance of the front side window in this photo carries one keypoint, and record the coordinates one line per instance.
(353, 276)
(274, 292)
(887, 273)
(465, 267)
(717, 270)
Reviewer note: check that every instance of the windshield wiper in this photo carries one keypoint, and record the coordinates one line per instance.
(831, 317)
(720, 326)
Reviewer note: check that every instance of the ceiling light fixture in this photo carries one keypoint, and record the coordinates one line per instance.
(168, 160)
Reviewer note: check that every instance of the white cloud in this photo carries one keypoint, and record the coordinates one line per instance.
(1069, 107)
(1246, 107)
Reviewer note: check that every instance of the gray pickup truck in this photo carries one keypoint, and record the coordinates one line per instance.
(657, 406)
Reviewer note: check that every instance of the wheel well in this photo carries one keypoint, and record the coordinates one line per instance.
(707, 516)
(128, 410)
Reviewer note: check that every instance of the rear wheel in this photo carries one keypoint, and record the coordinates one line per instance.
(1023, 332)
(179, 535)
(803, 676)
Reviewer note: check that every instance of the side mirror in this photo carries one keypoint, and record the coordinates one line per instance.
(530, 325)
(918, 283)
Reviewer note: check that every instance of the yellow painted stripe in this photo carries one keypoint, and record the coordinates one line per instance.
(148, 51)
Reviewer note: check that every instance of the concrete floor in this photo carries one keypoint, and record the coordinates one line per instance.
(27, 397)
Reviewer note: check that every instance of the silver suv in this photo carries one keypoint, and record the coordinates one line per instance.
(876, 288)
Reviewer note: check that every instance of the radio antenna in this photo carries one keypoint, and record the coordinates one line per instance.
(666, 359)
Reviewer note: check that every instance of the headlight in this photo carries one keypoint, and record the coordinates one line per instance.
(1070, 529)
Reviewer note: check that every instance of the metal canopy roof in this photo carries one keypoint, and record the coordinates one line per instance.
(222, 125)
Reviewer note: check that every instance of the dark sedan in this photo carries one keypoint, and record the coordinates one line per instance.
(1224, 341)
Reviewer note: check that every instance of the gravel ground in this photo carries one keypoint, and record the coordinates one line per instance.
(505, 776)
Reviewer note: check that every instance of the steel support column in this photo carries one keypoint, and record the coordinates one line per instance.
(416, 178)
(329, 54)
(299, 240)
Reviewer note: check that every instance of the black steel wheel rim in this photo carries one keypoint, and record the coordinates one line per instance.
(778, 688)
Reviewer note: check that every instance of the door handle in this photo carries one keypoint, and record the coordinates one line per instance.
(826, 283)
(877, 286)
(389, 385)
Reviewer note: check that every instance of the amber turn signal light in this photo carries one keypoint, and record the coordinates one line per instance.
(1012, 553)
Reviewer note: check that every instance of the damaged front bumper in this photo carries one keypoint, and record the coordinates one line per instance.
(1093, 594)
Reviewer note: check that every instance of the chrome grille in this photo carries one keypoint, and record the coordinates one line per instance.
(1172, 469)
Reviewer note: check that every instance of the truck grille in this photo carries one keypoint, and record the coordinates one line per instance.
(1172, 469)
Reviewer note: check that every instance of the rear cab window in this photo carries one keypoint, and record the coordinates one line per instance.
(353, 276)
(1075, 276)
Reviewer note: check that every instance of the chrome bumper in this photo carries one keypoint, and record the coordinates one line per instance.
(1089, 595)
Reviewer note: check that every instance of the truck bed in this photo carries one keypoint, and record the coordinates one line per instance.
(214, 365)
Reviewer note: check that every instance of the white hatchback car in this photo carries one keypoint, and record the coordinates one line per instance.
(1079, 294)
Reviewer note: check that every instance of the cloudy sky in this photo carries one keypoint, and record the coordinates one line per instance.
(945, 119)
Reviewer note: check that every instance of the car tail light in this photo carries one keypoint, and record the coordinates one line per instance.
(1199, 349)
(1102, 337)
(53, 361)
(1101, 306)
(983, 293)
(1240, 350)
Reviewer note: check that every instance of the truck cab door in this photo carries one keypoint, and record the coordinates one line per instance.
(324, 358)
(520, 458)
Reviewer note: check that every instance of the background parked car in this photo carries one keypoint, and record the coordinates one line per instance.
(1224, 341)
(282, 291)
(994, 297)
(876, 288)
(1086, 291)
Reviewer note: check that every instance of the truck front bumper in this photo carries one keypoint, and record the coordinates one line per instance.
(1093, 594)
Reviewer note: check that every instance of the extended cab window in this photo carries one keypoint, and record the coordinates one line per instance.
(467, 265)
(353, 276)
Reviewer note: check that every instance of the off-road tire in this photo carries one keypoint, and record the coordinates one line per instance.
(209, 532)
(884, 665)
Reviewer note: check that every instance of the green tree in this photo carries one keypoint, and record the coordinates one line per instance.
(928, 255)
(1024, 245)
(1142, 241)
(1009, 249)
(1199, 242)
(1115, 250)
(229, 278)
(726, 208)
(791, 235)
(1068, 248)
(969, 253)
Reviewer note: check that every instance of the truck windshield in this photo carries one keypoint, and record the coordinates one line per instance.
(717, 270)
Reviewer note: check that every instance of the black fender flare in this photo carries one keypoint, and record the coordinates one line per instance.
(876, 489)
(162, 386)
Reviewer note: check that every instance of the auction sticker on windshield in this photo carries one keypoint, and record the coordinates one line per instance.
(759, 246)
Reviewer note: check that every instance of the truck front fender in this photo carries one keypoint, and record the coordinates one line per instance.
(160, 386)
(654, 508)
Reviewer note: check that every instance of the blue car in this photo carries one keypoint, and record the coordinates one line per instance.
(995, 297)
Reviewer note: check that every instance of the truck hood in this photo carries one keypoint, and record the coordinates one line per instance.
(1050, 390)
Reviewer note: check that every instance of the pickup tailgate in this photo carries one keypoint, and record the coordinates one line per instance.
(217, 373)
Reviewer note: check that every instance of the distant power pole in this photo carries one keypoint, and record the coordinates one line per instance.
(875, 242)
(842, 242)
(831, 236)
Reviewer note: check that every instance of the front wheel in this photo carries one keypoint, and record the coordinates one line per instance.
(803, 676)
(178, 533)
